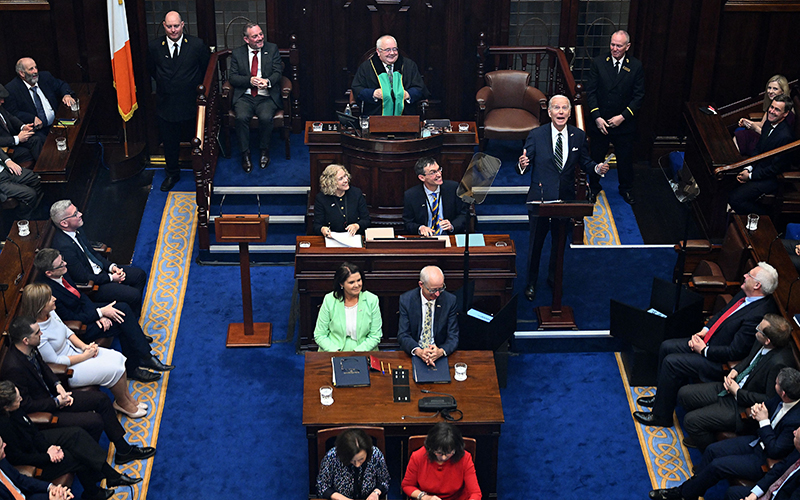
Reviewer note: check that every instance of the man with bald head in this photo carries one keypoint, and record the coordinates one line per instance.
(388, 82)
(428, 325)
(177, 63)
(34, 96)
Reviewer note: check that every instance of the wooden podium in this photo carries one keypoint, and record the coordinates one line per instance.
(245, 229)
(558, 317)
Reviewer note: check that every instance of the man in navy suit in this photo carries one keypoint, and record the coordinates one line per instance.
(744, 456)
(15, 134)
(715, 406)
(115, 283)
(614, 94)
(555, 150)
(32, 488)
(35, 96)
(428, 325)
(110, 320)
(433, 207)
(762, 177)
(782, 482)
(255, 74)
(178, 64)
(730, 334)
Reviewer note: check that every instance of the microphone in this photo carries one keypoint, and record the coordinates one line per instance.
(789, 297)
(426, 391)
(3, 288)
(541, 192)
(769, 252)
(21, 266)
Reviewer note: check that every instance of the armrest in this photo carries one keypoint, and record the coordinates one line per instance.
(485, 98)
(43, 418)
(87, 287)
(286, 91)
(75, 326)
(226, 96)
(534, 101)
(695, 246)
(710, 283)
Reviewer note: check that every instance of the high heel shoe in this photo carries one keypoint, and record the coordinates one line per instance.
(137, 414)
(142, 406)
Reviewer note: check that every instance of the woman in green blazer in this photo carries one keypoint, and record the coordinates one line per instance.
(349, 318)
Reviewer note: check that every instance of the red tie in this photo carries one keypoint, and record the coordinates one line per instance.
(254, 72)
(721, 319)
(777, 484)
(70, 288)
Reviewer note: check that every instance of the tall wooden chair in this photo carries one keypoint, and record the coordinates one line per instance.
(417, 442)
(326, 435)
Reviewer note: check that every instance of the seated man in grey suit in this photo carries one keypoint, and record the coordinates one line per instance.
(433, 207)
(428, 323)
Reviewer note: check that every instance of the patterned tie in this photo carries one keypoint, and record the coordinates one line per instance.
(559, 153)
(71, 289)
(774, 487)
(254, 72)
(435, 214)
(39, 108)
(746, 371)
(11, 487)
(722, 318)
(427, 327)
(174, 50)
(391, 74)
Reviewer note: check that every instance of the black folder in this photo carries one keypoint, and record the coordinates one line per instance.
(424, 374)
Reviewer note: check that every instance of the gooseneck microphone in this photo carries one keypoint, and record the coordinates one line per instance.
(21, 266)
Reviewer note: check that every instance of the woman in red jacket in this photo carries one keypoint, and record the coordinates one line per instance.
(441, 470)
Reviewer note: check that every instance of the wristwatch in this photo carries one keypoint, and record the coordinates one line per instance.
(421, 494)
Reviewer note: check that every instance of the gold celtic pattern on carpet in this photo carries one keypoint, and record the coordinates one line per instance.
(667, 460)
(160, 318)
(600, 229)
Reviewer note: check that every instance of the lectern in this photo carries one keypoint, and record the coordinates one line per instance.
(558, 317)
(245, 229)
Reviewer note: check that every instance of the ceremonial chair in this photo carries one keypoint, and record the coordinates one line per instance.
(508, 107)
(355, 105)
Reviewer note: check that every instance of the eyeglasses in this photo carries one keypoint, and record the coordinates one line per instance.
(390, 50)
(435, 290)
(434, 172)
(62, 266)
(752, 277)
(71, 216)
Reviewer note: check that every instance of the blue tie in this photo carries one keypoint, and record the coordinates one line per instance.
(39, 108)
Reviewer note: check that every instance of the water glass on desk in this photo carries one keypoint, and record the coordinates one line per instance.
(752, 222)
(461, 372)
(24, 228)
(326, 395)
(61, 143)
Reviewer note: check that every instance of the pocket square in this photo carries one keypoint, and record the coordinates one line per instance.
(574, 149)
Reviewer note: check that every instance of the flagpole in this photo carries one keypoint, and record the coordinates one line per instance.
(125, 134)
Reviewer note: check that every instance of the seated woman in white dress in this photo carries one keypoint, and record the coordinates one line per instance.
(91, 365)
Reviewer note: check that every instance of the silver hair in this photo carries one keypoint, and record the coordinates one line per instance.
(58, 209)
(550, 102)
(768, 277)
(378, 41)
(627, 35)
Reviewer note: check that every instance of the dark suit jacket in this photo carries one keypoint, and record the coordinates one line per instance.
(271, 69)
(760, 383)
(365, 82)
(27, 485)
(70, 307)
(79, 268)
(555, 184)
(793, 486)
(14, 125)
(20, 103)
(736, 335)
(328, 213)
(771, 167)
(26, 444)
(452, 208)
(177, 79)
(445, 321)
(779, 442)
(36, 396)
(609, 94)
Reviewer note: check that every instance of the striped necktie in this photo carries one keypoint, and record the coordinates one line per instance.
(435, 214)
(559, 153)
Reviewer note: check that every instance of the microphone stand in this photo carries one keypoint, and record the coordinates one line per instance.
(21, 266)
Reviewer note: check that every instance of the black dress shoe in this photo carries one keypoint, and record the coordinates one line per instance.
(142, 375)
(591, 196)
(689, 443)
(123, 480)
(647, 401)
(136, 453)
(530, 293)
(247, 165)
(149, 338)
(264, 158)
(667, 494)
(169, 182)
(100, 494)
(649, 418)
(628, 197)
(154, 363)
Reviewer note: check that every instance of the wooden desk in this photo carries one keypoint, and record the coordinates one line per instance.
(389, 273)
(709, 145)
(478, 397)
(384, 168)
(41, 234)
(70, 174)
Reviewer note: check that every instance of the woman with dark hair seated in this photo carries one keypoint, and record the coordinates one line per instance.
(56, 451)
(441, 470)
(353, 468)
(349, 318)
(339, 207)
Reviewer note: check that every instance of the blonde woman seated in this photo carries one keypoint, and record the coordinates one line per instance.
(349, 318)
(746, 137)
(339, 207)
(91, 365)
